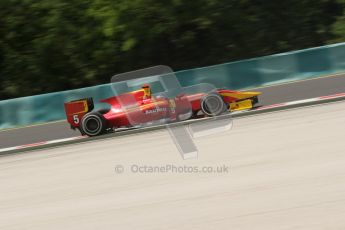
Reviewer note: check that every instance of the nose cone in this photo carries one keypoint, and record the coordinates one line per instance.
(246, 95)
(238, 95)
(251, 94)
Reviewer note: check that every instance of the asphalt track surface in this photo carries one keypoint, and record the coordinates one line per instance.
(286, 172)
(271, 95)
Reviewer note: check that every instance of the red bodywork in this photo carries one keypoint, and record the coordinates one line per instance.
(132, 108)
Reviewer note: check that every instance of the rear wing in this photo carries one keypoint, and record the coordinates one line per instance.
(75, 110)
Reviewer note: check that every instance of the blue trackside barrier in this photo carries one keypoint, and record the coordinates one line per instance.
(268, 70)
(45, 107)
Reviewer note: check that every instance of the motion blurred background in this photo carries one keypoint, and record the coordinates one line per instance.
(54, 45)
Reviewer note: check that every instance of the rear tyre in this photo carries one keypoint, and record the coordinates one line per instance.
(93, 124)
(213, 105)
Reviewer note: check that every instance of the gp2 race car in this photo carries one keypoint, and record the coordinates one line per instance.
(139, 108)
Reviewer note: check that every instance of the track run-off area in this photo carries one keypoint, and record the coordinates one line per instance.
(285, 170)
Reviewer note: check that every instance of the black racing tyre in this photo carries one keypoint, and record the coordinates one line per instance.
(213, 105)
(93, 124)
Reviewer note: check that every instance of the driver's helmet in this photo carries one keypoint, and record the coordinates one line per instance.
(147, 91)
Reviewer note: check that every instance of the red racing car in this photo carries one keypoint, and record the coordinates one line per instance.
(140, 107)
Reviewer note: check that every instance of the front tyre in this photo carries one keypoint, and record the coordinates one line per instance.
(93, 124)
(213, 105)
